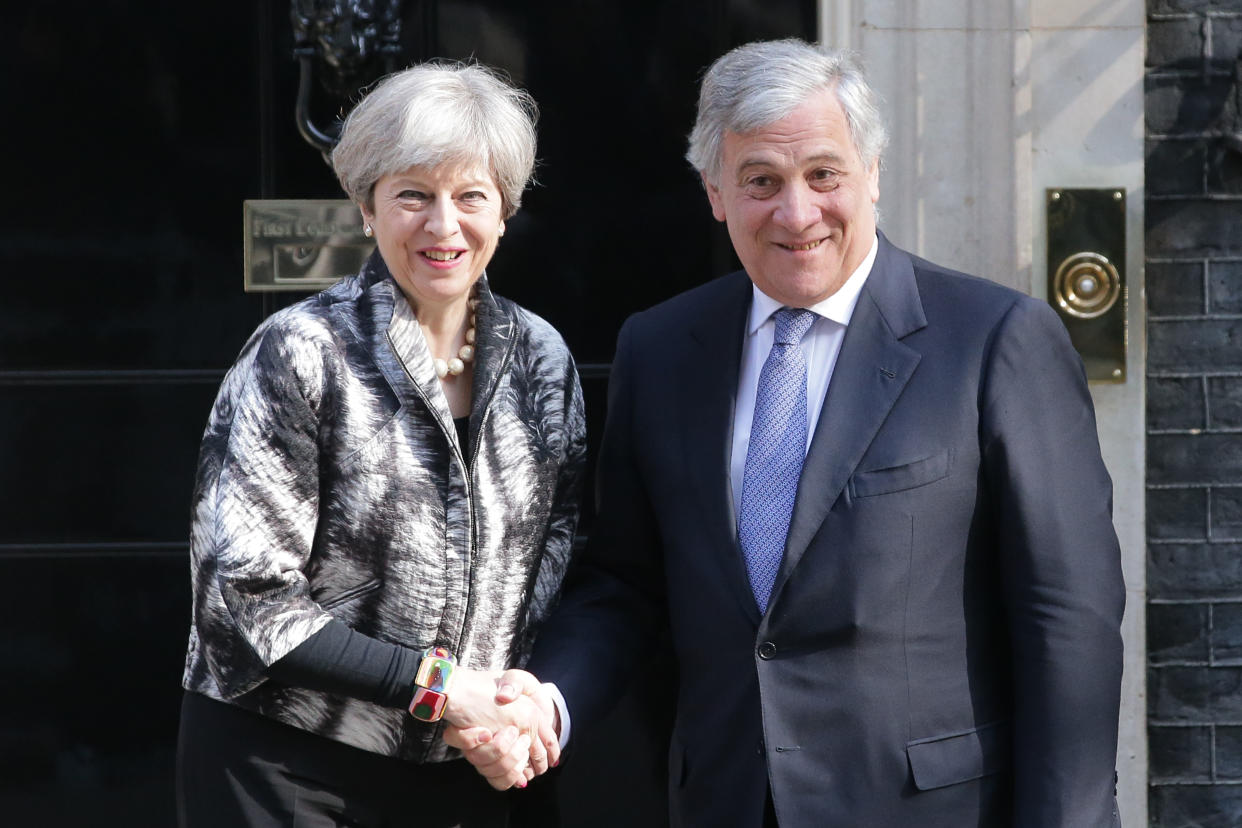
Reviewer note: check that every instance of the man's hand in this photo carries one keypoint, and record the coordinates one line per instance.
(513, 685)
(523, 745)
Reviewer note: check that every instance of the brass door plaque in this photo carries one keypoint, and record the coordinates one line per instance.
(1087, 274)
(301, 244)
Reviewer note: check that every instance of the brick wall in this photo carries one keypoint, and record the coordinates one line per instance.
(1194, 411)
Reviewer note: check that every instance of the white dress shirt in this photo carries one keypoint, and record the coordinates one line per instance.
(821, 346)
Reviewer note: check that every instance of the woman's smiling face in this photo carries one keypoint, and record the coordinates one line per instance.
(436, 229)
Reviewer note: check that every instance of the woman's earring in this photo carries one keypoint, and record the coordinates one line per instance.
(367, 231)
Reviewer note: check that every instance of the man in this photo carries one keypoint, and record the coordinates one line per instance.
(879, 528)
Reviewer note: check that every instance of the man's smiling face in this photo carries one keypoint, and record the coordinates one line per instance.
(798, 202)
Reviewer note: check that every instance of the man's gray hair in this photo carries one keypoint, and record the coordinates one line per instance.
(438, 113)
(757, 84)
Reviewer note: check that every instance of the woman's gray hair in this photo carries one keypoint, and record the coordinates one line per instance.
(437, 113)
(759, 83)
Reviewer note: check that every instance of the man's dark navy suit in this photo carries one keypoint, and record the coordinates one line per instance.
(942, 645)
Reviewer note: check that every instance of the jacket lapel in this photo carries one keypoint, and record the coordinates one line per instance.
(493, 348)
(410, 348)
(393, 336)
(397, 332)
(708, 395)
(872, 369)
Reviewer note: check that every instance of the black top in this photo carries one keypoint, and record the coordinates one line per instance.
(339, 660)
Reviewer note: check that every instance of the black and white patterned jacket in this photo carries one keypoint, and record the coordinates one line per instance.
(331, 485)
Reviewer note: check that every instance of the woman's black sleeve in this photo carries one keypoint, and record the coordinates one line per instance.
(344, 662)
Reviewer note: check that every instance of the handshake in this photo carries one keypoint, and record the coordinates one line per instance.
(506, 724)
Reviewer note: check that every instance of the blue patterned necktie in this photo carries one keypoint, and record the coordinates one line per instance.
(775, 453)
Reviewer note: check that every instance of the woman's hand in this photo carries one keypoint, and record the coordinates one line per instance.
(505, 724)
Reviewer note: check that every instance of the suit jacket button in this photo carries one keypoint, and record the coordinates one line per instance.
(767, 650)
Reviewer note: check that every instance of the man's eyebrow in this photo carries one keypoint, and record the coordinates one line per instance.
(830, 157)
(818, 158)
(754, 162)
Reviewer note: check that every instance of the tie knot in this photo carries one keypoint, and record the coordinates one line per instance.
(792, 324)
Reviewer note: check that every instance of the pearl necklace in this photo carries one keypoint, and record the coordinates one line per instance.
(455, 365)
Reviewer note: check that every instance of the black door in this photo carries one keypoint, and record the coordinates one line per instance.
(135, 131)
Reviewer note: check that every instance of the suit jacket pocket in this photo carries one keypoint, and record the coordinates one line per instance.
(939, 761)
(905, 476)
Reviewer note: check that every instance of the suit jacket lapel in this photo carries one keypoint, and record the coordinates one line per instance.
(708, 396)
(872, 369)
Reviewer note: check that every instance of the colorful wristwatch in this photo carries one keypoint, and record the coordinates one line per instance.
(432, 683)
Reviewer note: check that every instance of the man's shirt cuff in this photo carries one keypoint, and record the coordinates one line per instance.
(561, 710)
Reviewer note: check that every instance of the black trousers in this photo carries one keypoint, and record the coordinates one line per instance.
(237, 768)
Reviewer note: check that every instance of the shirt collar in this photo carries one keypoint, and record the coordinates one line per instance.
(839, 307)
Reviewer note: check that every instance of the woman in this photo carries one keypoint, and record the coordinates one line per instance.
(392, 466)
